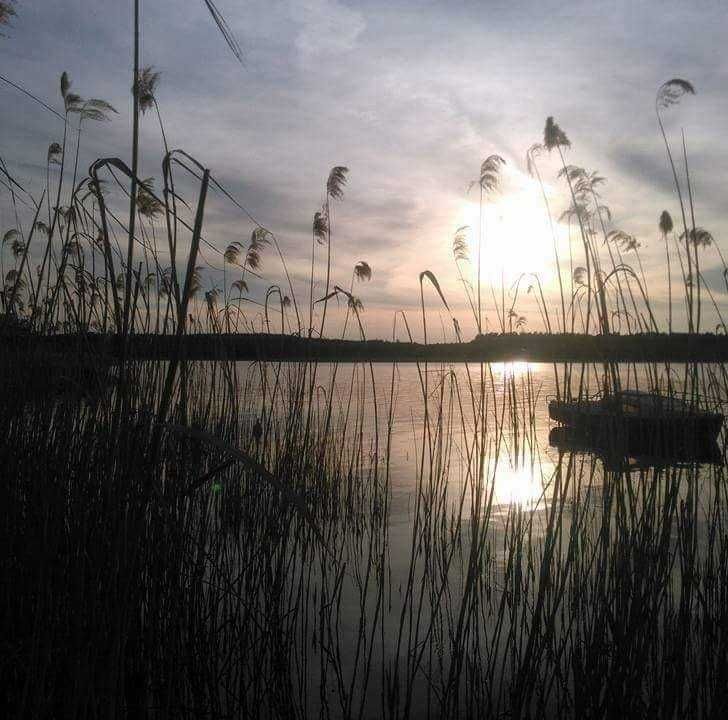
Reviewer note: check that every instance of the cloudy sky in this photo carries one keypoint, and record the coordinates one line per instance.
(410, 96)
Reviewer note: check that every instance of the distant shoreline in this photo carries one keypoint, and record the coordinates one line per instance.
(488, 348)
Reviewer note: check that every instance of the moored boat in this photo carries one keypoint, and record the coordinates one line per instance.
(640, 420)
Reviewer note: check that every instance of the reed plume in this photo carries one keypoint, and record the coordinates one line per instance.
(665, 224)
(487, 183)
(669, 94)
(532, 167)
(6, 12)
(145, 87)
(362, 271)
(335, 183)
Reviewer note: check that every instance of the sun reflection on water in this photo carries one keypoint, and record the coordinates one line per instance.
(512, 368)
(522, 487)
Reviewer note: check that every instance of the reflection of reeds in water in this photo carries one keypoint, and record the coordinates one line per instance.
(595, 602)
(257, 569)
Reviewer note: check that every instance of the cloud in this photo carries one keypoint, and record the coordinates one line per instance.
(325, 27)
(411, 96)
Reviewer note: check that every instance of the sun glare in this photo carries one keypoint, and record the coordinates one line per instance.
(516, 233)
(520, 486)
(512, 369)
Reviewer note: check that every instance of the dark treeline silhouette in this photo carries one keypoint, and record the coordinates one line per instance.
(535, 347)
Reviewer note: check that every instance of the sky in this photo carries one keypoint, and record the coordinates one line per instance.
(411, 97)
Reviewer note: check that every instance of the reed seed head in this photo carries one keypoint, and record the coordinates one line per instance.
(320, 227)
(362, 271)
(336, 181)
(699, 237)
(554, 136)
(55, 152)
(145, 87)
(671, 92)
(460, 248)
(665, 222)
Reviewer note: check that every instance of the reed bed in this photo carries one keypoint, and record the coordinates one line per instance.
(204, 585)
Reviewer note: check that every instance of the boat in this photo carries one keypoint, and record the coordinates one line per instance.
(642, 422)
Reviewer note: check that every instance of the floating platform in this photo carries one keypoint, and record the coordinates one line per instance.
(640, 423)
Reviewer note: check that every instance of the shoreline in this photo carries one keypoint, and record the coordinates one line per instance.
(489, 348)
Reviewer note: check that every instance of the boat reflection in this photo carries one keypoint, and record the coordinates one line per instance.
(618, 456)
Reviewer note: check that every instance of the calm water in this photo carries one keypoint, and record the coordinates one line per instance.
(429, 605)
(521, 461)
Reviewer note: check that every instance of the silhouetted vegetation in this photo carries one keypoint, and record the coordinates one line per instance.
(300, 539)
(496, 347)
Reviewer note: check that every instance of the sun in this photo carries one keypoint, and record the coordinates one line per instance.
(517, 236)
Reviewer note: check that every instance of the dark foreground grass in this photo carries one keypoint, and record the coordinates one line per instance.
(247, 567)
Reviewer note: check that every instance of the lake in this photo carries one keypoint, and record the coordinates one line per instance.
(454, 561)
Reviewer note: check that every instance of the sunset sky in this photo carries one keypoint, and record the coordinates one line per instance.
(411, 97)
